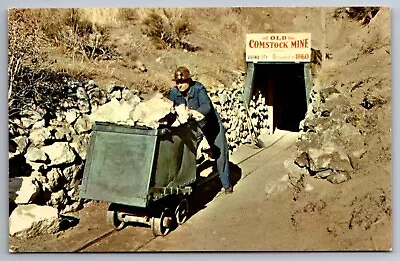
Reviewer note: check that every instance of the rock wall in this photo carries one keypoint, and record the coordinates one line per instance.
(242, 124)
(47, 152)
(330, 143)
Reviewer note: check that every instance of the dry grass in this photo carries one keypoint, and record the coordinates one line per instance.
(78, 69)
(160, 38)
(110, 17)
(155, 37)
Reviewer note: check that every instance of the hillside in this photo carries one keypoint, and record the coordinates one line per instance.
(140, 48)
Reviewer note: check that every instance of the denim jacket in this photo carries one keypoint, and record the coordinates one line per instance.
(199, 100)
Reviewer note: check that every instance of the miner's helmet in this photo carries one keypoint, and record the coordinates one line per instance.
(181, 74)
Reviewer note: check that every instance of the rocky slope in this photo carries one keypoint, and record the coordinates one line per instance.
(345, 137)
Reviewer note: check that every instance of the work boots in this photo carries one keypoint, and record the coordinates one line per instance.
(227, 190)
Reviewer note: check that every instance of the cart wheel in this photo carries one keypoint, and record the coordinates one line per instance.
(112, 218)
(182, 212)
(162, 225)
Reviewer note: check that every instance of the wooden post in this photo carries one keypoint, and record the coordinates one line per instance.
(248, 89)
(323, 29)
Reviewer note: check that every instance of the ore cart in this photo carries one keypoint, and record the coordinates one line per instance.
(145, 174)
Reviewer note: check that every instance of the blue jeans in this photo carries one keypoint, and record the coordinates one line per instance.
(220, 151)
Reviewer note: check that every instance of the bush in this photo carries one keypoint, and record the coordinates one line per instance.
(24, 44)
(167, 28)
(128, 14)
(24, 36)
(77, 35)
(40, 90)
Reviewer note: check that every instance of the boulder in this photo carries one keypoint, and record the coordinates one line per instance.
(23, 190)
(324, 158)
(39, 124)
(73, 193)
(295, 173)
(33, 114)
(38, 136)
(324, 174)
(29, 118)
(39, 177)
(83, 124)
(338, 177)
(20, 145)
(330, 143)
(34, 154)
(32, 220)
(60, 116)
(72, 173)
(370, 101)
(72, 115)
(129, 95)
(139, 67)
(58, 199)
(302, 160)
(84, 106)
(112, 111)
(80, 144)
(59, 153)
(60, 133)
(81, 93)
(27, 122)
(95, 95)
(116, 94)
(151, 112)
(72, 208)
(53, 179)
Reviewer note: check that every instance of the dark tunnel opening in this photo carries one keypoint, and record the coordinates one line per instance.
(284, 87)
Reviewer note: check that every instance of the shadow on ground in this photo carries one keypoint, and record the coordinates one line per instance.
(210, 186)
(67, 222)
(205, 190)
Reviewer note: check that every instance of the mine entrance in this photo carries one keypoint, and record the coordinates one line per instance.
(286, 90)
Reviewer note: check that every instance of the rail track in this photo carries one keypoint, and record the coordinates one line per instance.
(109, 233)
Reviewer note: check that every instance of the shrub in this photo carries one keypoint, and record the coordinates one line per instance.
(38, 89)
(77, 35)
(32, 82)
(167, 28)
(24, 45)
(128, 14)
(24, 35)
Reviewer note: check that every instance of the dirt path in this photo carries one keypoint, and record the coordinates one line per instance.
(247, 220)
(218, 219)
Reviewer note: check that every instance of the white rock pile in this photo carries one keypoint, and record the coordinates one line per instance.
(47, 154)
(241, 124)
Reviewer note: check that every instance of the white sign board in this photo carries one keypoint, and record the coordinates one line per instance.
(278, 47)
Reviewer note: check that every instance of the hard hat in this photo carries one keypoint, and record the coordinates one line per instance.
(182, 73)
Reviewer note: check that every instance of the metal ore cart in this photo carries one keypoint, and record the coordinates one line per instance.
(146, 174)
